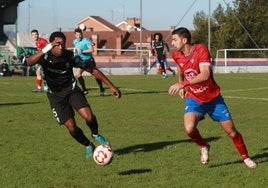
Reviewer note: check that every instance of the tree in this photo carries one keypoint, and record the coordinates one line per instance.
(242, 26)
(253, 16)
(201, 28)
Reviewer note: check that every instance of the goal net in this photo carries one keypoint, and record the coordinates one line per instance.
(241, 61)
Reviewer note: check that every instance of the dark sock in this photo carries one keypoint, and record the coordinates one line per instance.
(162, 66)
(79, 136)
(82, 83)
(99, 82)
(93, 125)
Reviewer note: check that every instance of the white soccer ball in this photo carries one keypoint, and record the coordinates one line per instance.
(82, 27)
(103, 154)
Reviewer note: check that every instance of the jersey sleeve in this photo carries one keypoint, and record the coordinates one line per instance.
(204, 56)
(166, 44)
(89, 43)
(42, 60)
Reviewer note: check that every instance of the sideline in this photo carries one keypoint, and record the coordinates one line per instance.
(249, 98)
(230, 97)
(250, 89)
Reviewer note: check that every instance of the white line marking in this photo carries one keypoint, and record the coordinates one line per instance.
(250, 89)
(230, 97)
(249, 98)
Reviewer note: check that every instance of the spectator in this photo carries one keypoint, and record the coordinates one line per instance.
(4, 69)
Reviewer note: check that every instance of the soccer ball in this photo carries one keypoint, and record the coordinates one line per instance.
(103, 155)
(82, 27)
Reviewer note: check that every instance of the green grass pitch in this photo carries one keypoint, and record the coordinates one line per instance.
(146, 130)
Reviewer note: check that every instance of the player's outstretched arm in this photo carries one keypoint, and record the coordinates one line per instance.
(98, 74)
(33, 59)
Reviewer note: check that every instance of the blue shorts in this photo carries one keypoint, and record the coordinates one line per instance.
(216, 109)
(165, 62)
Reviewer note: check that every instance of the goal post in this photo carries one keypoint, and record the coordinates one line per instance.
(241, 60)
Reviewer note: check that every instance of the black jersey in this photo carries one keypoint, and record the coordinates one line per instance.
(159, 48)
(57, 72)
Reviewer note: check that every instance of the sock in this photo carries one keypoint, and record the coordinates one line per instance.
(99, 82)
(82, 83)
(168, 68)
(197, 138)
(162, 66)
(79, 136)
(240, 146)
(93, 125)
(39, 83)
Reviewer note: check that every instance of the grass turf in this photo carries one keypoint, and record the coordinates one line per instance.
(146, 130)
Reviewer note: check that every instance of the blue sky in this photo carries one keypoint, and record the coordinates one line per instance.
(48, 15)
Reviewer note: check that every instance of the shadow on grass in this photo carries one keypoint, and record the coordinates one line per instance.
(148, 147)
(135, 171)
(126, 92)
(259, 158)
(17, 103)
(143, 92)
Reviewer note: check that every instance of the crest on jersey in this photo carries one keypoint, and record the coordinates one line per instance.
(190, 74)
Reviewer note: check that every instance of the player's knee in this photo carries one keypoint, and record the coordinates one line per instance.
(75, 131)
(90, 119)
(71, 127)
(233, 134)
(189, 129)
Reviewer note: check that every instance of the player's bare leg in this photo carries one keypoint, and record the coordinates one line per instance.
(190, 124)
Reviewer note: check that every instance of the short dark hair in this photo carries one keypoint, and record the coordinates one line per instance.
(57, 34)
(183, 32)
(34, 31)
(78, 30)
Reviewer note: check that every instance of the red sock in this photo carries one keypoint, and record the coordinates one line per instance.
(197, 138)
(39, 83)
(168, 68)
(160, 71)
(240, 146)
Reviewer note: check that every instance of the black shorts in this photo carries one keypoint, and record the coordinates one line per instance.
(63, 106)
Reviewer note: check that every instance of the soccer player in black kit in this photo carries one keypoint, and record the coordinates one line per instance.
(63, 92)
(158, 49)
